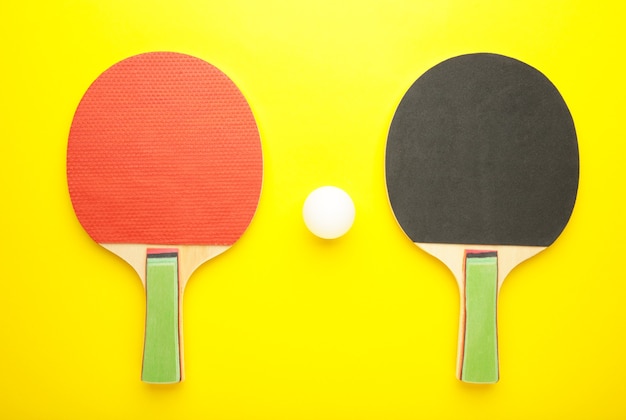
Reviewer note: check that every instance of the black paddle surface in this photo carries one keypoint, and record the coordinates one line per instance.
(482, 150)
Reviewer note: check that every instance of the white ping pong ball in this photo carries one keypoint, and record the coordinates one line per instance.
(328, 212)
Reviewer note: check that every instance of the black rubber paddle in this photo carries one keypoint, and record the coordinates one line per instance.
(482, 172)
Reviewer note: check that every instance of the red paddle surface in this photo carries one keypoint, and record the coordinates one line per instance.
(164, 149)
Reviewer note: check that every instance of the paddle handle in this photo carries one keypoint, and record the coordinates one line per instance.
(479, 359)
(162, 351)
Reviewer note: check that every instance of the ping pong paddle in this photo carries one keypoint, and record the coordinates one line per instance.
(482, 172)
(164, 169)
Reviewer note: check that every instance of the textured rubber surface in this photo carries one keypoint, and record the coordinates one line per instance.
(482, 150)
(164, 149)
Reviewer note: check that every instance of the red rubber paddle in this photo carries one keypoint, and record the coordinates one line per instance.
(164, 168)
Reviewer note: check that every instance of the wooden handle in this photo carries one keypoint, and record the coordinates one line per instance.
(479, 362)
(162, 351)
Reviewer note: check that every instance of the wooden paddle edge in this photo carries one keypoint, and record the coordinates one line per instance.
(452, 255)
(190, 257)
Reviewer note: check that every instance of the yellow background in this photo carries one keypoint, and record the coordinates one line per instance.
(285, 325)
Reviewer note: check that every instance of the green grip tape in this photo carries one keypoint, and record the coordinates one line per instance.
(161, 355)
(480, 353)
